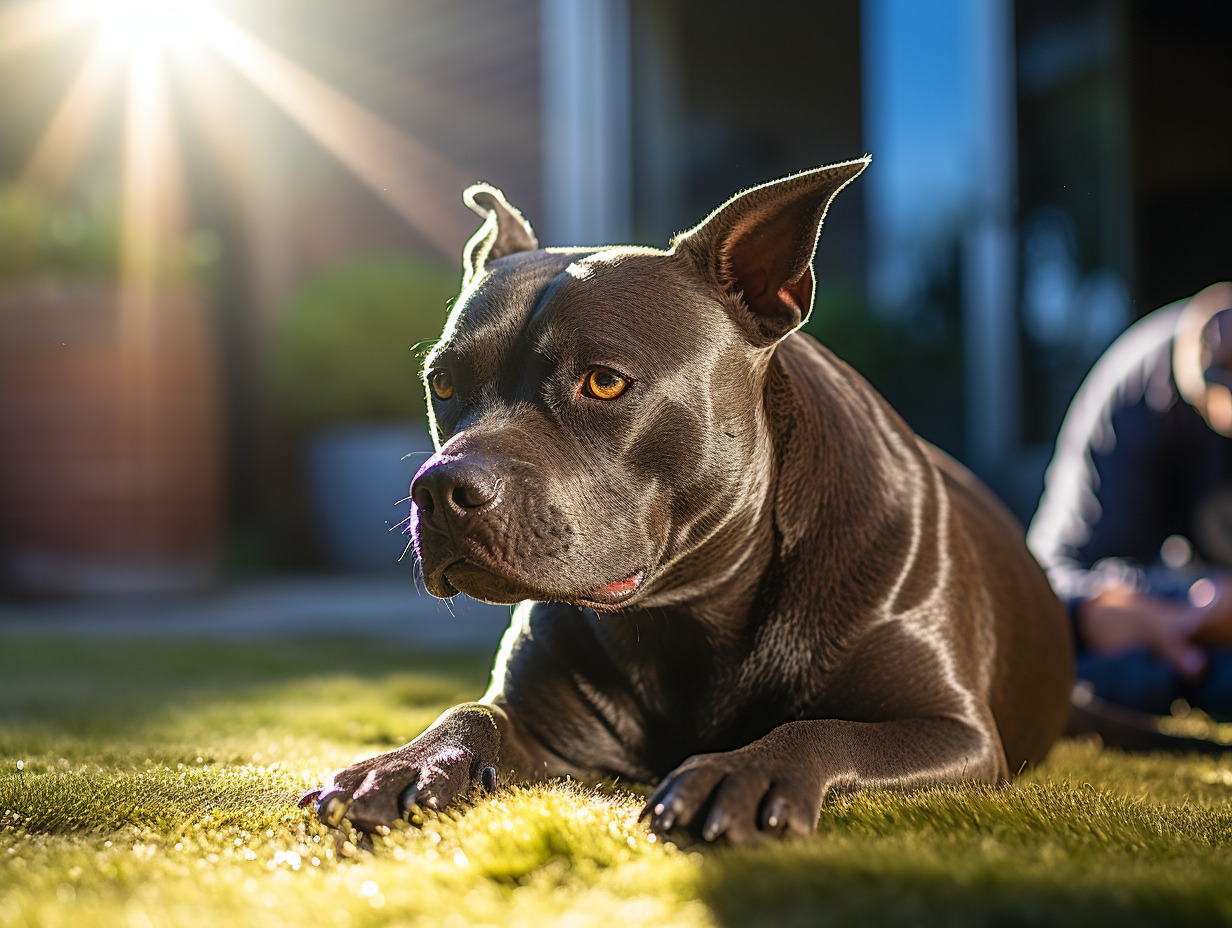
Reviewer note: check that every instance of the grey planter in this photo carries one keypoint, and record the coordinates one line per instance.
(357, 474)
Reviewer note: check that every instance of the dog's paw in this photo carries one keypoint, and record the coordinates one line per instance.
(737, 796)
(376, 793)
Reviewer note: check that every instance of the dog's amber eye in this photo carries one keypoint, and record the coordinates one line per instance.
(603, 384)
(442, 384)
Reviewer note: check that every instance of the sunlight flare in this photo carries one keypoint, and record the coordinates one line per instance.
(405, 174)
(29, 22)
(196, 37)
(136, 26)
(60, 148)
(152, 187)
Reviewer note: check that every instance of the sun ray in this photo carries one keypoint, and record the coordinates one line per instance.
(59, 149)
(154, 219)
(143, 187)
(144, 156)
(243, 177)
(154, 224)
(28, 22)
(408, 176)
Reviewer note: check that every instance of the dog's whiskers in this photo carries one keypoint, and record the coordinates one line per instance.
(406, 549)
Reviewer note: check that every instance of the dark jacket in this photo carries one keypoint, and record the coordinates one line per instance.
(1134, 465)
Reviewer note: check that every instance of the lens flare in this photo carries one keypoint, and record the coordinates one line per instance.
(140, 26)
(63, 141)
(150, 39)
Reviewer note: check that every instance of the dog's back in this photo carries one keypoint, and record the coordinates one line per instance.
(1012, 637)
(1034, 647)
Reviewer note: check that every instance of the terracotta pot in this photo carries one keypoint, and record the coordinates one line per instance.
(110, 441)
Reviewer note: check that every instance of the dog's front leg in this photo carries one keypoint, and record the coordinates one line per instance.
(463, 748)
(775, 786)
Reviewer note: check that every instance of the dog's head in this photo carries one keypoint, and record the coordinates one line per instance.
(599, 413)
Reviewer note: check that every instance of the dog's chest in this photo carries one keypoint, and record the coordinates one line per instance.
(634, 694)
(681, 691)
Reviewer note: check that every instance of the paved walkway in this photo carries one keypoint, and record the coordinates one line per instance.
(320, 606)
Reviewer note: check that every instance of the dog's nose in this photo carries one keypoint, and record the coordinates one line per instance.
(454, 488)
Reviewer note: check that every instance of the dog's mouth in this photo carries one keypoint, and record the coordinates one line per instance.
(616, 593)
(478, 582)
(493, 584)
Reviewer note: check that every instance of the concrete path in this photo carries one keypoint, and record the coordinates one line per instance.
(315, 606)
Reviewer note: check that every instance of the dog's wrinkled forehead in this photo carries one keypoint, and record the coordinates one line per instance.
(490, 314)
(630, 306)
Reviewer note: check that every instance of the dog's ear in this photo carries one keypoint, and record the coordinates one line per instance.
(504, 230)
(757, 248)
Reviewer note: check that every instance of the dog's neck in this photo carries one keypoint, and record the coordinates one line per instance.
(717, 585)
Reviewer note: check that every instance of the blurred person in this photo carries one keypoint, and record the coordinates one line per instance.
(1135, 524)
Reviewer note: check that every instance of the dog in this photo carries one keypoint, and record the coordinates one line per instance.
(741, 575)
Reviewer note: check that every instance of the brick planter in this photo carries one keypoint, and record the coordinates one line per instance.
(110, 442)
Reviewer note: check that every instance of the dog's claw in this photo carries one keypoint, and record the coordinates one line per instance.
(664, 818)
(774, 814)
(333, 810)
(309, 797)
(408, 801)
(487, 779)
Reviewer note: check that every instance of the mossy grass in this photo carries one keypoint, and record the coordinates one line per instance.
(155, 783)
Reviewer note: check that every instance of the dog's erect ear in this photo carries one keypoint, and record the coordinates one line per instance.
(504, 230)
(759, 246)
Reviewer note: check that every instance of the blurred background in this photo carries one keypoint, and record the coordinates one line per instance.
(229, 229)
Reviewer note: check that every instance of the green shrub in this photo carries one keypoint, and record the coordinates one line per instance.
(81, 236)
(351, 340)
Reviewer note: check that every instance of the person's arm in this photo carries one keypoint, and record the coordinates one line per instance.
(1097, 527)
(1104, 512)
(1105, 504)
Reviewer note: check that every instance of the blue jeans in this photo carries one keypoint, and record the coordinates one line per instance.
(1142, 681)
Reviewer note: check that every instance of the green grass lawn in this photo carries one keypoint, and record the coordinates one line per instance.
(149, 784)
